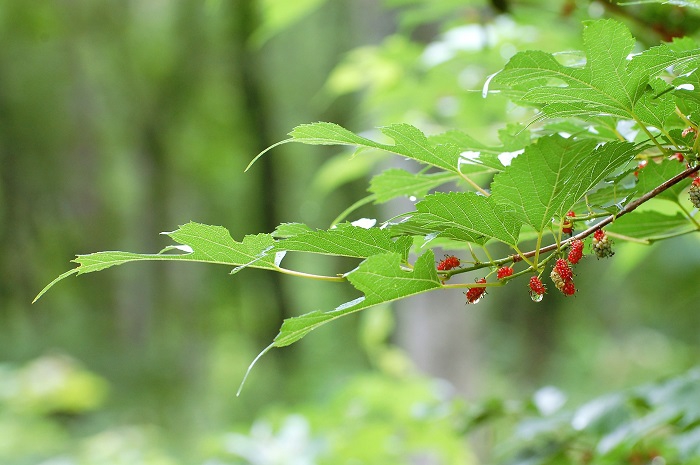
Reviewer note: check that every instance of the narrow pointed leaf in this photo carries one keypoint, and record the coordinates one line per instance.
(409, 142)
(381, 279)
(198, 243)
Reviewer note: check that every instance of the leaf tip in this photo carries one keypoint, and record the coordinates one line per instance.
(250, 367)
(252, 162)
(50, 285)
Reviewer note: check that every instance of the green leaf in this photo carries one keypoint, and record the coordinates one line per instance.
(553, 174)
(648, 225)
(608, 84)
(681, 56)
(381, 278)
(346, 240)
(683, 3)
(464, 216)
(655, 174)
(409, 142)
(655, 110)
(609, 197)
(514, 138)
(412, 143)
(285, 230)
(394, 183)
(198, 243)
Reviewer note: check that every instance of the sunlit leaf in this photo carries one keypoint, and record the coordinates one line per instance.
(409, 142)
(346, 240)
(463, 216)
(198, 243)
(553, 174)
(608, 84)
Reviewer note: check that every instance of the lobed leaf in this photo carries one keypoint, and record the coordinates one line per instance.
(381, 279)
(553, 174)
(346, 240)
(409, 142)
(608, 84)
(198, 243)
(464, 216)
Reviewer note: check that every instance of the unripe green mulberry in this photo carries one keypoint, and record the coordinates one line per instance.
(694, 192)
(602, 245)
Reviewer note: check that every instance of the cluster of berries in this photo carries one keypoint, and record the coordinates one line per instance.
(567, 226)
(537, 288)
(694, 192)
(562, 275)
(448, 263)
(602, 246)
(476, 293)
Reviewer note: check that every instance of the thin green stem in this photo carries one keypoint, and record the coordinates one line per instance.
(668, 136)
(472, 285)
(690, 217)
(537, 250)
(522, 256)
(352, 208)
(651, 136)
(628, 238)
(486, 251)
(335, 279)
(474, 257)
(473, 184)
(685, 119)
(671, 235)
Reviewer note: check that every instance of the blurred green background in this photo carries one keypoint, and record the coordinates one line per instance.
(120, 120)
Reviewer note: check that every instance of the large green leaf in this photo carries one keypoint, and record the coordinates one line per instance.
(346, 240)
(608, 84)
(198, 243)
(409, 142)
(464, 216)
(649, 225)
(381, 278)
(553, 174)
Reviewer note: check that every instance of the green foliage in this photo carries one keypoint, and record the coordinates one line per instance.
(381, 278)
(607, 85)
(658, 419)
(602, 115)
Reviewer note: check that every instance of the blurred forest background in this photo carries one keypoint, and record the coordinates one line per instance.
(120, 120)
